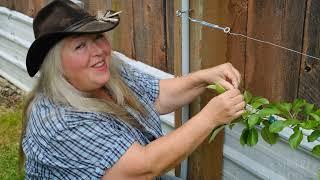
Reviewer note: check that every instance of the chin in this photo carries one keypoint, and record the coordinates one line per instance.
(102, 80)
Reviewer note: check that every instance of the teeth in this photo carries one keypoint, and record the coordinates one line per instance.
(98, 64)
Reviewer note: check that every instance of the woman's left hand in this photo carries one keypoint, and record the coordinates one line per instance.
(224, 74)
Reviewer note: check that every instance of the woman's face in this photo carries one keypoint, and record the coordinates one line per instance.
(85, 61)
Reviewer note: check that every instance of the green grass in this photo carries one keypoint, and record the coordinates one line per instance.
(10, 125)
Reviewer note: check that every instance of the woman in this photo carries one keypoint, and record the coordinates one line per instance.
(92, 116)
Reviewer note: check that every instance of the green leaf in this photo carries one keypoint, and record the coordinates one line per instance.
(247, 97)
(216, 132)
(314, 136)
(308, 108)
(268, 111)
(309, 124)
(212, 86)
(284, 107)
(316, 150)
(317, 112)
(296, 129)
(272, 105)
(244, 136)
(277, 126)
(245, 114)
(253, 120)
(291, 122)
(220, 89)
(297, 105)
(315, 116)
(269, 137)
(259, 102)
(296, 138)
(217, 87)
(252, 137)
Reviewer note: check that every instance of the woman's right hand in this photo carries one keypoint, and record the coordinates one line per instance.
(224, 108)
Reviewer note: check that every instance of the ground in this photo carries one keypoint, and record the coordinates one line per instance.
(10, 95)
(10, 127)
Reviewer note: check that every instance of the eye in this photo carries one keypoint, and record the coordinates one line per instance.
(81, 45)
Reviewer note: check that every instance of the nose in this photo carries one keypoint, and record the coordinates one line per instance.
(95, 49)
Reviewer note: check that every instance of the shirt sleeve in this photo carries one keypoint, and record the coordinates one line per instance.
(141, 83)
(89, 146)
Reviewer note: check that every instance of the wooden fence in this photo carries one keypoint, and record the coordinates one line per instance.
(150, 32)
(267, 70)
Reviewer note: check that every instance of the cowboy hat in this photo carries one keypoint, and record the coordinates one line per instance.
(59, 19)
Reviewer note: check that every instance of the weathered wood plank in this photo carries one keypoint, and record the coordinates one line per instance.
(170, 35)
(310, 68)
(7, 3)
(270, 71)
(123, 36)
(149, 33)
(195, 163)
(208, 48)
(93, 6)
(174, 54)
(237, 21)
(28, 7)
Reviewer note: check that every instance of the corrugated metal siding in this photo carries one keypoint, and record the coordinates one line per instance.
(261, 162)
(16, 35)
(264, 161)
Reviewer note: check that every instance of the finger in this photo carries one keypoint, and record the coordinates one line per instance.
(226, 84)
(238, 99)
(230, 74)
(238, 114)
(237, 74)
(232, 93)
(240, 106)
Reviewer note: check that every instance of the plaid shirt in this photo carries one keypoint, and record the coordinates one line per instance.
(61, 143)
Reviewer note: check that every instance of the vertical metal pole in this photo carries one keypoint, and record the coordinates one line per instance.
(185, 70)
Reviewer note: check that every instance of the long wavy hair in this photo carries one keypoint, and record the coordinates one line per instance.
(55, 86)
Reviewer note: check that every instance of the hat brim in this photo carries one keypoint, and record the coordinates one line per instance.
(41, 46)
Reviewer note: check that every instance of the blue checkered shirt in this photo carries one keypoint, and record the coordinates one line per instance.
(62, 143)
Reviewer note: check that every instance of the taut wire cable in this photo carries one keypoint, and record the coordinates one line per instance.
(227, 30)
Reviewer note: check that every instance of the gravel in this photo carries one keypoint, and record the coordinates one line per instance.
(10, 95)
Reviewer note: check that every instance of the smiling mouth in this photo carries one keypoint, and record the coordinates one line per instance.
(98, 64)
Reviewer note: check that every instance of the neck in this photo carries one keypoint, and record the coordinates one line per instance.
(101, 93)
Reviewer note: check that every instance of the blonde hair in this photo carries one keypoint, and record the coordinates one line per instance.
(54, 85)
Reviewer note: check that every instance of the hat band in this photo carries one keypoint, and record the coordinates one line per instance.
(79, 24)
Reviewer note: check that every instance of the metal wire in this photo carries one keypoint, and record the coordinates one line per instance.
(273, 44)
(227, 30)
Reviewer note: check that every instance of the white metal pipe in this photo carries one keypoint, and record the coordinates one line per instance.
(185, 70)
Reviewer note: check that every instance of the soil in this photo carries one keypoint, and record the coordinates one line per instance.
(10, 95)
